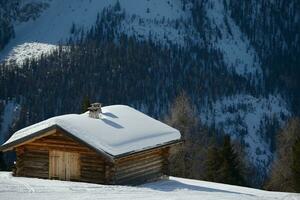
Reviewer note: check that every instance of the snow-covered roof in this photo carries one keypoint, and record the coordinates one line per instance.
(119, 130)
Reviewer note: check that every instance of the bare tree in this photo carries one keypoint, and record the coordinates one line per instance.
(187, 160)
(281, 177)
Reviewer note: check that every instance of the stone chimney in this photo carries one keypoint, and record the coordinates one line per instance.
(95, 110)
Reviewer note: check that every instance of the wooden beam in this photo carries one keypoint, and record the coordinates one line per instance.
(30, 140)
(133, 153)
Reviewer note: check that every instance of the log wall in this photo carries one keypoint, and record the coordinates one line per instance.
(134, 169)
(32, 162)
(33, 158)
(141, 167)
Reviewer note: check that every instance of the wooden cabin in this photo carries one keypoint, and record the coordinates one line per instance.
(110, 145)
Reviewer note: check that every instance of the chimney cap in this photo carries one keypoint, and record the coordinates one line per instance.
(96, 104)
(95, 110)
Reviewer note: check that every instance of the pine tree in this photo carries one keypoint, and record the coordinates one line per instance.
(117, 6)
(230, 171)
(212, 164)
(85, 104)
(296, 165)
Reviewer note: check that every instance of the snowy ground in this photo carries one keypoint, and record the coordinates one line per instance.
(176, 188)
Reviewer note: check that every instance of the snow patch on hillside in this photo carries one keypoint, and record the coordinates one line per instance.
(238, 53)
(162, 21)
(245, 118)
(15, 188)
(155, 30)
(29, 50)
(154, 9)
(54, 23)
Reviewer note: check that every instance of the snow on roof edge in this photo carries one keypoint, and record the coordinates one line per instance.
(7, 146)
(160, 139)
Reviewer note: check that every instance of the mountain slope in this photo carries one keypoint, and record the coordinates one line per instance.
(37, 36)
(160, 20)
(175, 188)
(148, 51)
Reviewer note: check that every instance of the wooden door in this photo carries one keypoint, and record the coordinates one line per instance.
(56, 169)
(72, 166)
(64, 165)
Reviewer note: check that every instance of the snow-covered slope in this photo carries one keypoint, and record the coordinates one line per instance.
(29, 50)
(238, 54)
(245, 117)
(53, 26)
(163, 20)
(15, 188)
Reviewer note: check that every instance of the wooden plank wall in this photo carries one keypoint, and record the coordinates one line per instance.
(33, 161)
(141, 167)
(33, 158)
(92, 168)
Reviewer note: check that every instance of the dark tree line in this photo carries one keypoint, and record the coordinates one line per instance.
(223, 164)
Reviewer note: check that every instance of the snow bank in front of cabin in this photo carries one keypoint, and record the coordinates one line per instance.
(16, 188)
(120, 129)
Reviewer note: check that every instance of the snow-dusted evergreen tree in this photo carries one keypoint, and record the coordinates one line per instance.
(85, 104)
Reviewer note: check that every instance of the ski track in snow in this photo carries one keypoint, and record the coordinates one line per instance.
(15, 188)
(24, 184)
